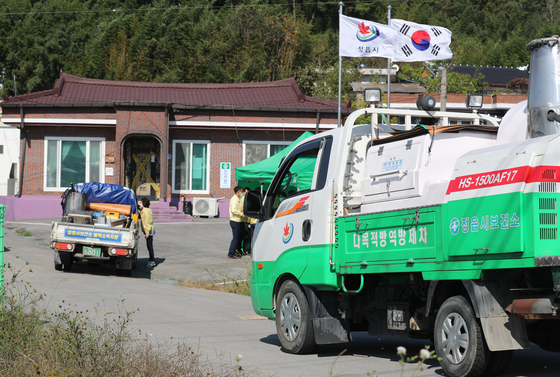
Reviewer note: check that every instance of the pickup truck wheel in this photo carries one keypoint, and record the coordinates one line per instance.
(294, 323)
(127, 272)
(58, 266)
(459, 340)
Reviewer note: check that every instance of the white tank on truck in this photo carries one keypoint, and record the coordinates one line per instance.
(445, 230)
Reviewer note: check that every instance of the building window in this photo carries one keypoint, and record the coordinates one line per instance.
(73, 160)
(255, 151)
(191, 161)
(1, 149)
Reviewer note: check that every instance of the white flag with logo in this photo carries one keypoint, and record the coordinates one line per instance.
(361, 38)
(418, 42)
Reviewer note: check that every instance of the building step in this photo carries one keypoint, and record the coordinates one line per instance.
(171, 218)
(162, 212)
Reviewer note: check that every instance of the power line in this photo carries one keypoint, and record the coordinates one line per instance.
(194, 7)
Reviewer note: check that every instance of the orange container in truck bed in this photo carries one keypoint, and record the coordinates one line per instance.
(123, 209)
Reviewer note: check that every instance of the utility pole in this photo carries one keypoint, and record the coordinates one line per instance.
(15, 86)
(339, 122)
(389, 7)
(443, 99)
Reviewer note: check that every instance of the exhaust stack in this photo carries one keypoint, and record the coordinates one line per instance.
(544, 87)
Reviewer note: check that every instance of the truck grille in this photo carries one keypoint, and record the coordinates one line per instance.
(547, 186)
(549, 233)
(547, 203)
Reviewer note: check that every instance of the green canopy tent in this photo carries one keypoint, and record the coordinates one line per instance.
(263, 171)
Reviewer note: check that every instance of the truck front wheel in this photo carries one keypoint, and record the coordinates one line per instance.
(459, 340)
(294, 323)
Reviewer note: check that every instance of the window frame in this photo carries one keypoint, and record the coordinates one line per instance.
(59, 140)
(268, 144)
(324, 144)
(208, 166)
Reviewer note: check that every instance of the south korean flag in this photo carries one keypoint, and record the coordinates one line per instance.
(417, 42)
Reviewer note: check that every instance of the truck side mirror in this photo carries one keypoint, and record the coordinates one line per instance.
(252, 205)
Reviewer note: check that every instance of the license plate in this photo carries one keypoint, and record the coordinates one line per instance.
(92, 251)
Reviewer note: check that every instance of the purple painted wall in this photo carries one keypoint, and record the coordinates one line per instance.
(223, 207)
(40, 207)
(31, 207)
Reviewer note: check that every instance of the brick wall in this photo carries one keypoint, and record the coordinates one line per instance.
(33, 174)
(226, 144)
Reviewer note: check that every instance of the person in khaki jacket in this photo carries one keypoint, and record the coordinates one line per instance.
(148, 228)
(236, 220)
(249, 227)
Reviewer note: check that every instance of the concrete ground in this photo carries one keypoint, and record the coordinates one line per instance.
(194, 250)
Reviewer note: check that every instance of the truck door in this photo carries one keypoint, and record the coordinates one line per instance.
(288, 226)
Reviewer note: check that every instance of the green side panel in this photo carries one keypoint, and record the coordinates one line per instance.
(452, 275)
(401, 241)
(485, 226)
(319, 273)
(262, 286)
(543, 230)
(263, 280)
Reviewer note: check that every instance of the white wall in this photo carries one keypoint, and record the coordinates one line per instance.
(9, 139)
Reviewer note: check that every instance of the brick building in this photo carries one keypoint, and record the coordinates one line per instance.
(177, 135)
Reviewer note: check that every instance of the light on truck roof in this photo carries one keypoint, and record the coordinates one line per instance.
(372, 95)
(426, 103)
(474, 101)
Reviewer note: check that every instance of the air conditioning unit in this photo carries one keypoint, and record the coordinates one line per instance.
(205, 207)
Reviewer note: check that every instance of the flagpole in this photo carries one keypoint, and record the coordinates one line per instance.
(388, 62)
(339, 72)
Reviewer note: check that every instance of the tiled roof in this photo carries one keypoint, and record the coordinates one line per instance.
(74, 90)
(498, 76)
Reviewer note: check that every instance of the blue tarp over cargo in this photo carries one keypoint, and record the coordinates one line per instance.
(107, 193)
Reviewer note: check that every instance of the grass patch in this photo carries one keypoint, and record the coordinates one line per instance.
(239, 284)
(67, 342)
(24, 233)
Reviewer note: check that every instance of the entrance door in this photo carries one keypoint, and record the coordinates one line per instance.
(142, 167)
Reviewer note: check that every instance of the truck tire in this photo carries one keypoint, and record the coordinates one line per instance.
(459, 340)
(294, 323)
(58, 266)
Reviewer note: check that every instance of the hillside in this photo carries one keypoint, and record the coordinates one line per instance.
(240, 41)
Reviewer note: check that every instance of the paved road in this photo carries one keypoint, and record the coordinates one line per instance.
(222, 325)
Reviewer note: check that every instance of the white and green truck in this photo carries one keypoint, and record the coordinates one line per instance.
(447, 230)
